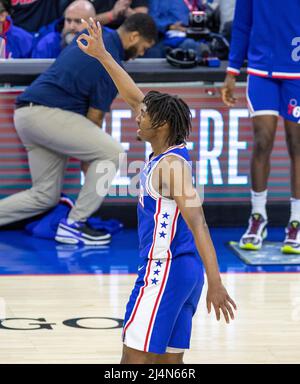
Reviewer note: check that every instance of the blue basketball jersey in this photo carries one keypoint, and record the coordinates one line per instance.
(163, 233)
(160, 309)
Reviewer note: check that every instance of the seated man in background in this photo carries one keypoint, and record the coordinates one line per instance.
(59, 116)
(14, 41)
(53, 43)
(112, 13)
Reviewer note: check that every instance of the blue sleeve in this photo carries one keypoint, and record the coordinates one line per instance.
(103, 93)
(48, 47)
(241, 30)
(19, 43)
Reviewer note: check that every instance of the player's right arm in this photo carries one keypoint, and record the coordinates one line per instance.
(241, 29)
(127, 88)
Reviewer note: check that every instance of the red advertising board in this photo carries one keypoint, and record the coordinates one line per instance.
(220, 146)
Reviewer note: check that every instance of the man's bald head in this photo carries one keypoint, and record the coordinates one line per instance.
(84, 7)
(79, 9)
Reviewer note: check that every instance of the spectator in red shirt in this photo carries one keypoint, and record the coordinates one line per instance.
(14, 41)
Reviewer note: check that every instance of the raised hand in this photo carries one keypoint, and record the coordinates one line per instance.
(95, 45)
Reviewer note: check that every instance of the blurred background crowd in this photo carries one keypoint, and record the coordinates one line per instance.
(43, 28)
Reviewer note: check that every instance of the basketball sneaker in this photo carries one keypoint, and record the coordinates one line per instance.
(256, 232)
(291, 244)
(80, 233)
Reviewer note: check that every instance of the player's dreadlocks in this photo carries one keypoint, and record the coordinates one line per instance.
(163, 108)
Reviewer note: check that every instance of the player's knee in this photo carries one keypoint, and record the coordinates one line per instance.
(170, 358)
(137, 360)
(264, 133)
(134, 356)
(293, 145)
(263, 145)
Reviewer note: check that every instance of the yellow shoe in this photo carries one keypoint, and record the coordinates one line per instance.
(291, 244)
(256, 233)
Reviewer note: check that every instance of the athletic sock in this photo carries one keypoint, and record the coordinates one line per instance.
(295, 210)
(72, 222)
(259, 201)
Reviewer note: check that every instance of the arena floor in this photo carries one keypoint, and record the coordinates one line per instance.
(64, 304)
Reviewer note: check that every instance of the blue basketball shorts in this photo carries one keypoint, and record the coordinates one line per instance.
(163, 301)
(269, 96)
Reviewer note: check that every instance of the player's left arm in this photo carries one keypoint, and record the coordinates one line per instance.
(94, 46)
(177, 183)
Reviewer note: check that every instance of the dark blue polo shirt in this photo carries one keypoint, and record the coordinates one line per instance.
(76, 81)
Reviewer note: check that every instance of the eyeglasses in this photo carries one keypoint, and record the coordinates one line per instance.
(69, 20)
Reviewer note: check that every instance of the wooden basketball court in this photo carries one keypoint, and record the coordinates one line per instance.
(266, 328)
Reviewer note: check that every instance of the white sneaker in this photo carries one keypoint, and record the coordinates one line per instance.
(253, 238)
(291, 244)
(80, 233)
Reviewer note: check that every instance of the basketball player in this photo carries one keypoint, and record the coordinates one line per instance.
(172, 227)
(268, 34)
